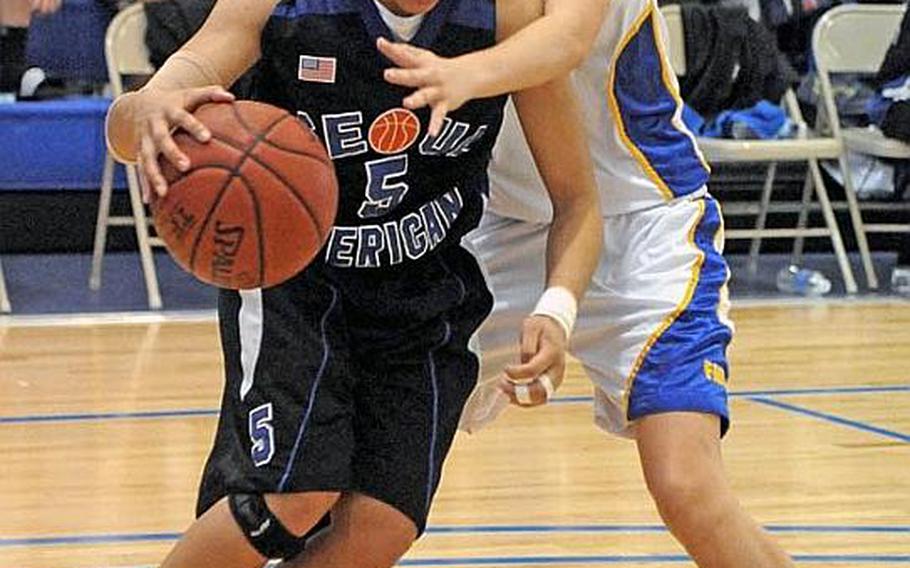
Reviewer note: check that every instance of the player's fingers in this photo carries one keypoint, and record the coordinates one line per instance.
(194, 98)
(393, 52)
(143, 181)
(531, 332)
(547, 357)
(437, 118)
(408, 77)
(401, 54)
(149, 161)
(423, 97)
(48, 7)
(533, 367)
(529, 393)
(191, 124)
(161, 135)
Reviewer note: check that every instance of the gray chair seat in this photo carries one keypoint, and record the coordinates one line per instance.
(723, 150)
(872, 141)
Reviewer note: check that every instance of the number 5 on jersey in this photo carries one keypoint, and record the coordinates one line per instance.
(262, 435)
(383, 193)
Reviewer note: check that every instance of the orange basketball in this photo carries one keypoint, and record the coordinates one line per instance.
(257, 204)
(394, 131)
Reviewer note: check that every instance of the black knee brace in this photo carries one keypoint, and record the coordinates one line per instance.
(262, 528)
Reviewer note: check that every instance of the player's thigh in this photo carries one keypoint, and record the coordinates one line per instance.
(285, 418)
(374, 534)
(652, 331)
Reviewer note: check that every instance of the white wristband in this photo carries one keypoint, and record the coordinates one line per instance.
(559, 304)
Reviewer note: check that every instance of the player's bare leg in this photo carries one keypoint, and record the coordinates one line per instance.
(365, 533)
(681, 458)
(215, 540)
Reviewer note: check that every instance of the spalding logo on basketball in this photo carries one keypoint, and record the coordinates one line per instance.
(394, 131)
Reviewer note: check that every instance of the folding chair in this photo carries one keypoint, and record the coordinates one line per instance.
(126, 55)
(806, 147)
(5, 307)
(854, 39)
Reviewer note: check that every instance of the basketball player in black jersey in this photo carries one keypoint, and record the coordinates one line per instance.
(345, 385)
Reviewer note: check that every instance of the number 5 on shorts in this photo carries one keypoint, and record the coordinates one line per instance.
(262, 435)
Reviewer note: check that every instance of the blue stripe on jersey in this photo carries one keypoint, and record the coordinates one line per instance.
(647, 106)
(673, 376)
(479, 14)
(300, 8)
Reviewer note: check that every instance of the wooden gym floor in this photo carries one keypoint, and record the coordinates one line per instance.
(104, 429)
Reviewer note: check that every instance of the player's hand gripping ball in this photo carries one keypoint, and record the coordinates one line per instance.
(258, 202)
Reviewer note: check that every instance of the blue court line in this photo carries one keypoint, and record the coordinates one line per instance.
(101, 416)
(88, 539)
(639, 558)
(822, 391)
(211, 412)
(833, 418)
(638, 529)
(818, 391)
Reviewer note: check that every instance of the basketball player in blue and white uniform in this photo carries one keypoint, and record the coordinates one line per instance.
(652, 331)
(344, 385)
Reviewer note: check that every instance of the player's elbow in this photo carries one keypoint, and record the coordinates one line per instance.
(580, 25)
(576, 202)
(575, 50)
(117, 130)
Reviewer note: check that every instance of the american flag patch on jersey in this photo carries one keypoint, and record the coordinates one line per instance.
(317, 69)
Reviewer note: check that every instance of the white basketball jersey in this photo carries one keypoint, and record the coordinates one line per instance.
(643, 154)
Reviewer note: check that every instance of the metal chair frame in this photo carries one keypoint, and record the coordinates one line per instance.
(126, 54)
(805, 147)
(5, 306)
(854, 39)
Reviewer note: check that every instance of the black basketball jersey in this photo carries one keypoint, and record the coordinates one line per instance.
(403, 193)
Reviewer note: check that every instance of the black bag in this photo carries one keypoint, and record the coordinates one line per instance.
(732, 62)
(897, 60)
(896, 65)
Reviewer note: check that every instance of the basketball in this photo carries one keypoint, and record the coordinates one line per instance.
(394, 131)
(257, 204)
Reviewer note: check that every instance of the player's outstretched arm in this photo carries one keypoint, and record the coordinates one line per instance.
(540, 40)
(551, 120)
(139, 124)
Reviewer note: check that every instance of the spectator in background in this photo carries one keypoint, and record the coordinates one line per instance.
(15, 16)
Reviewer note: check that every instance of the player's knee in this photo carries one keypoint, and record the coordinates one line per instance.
(361, 519)
(275, 525)
(299, 512)
(683, 498)
(396, 539)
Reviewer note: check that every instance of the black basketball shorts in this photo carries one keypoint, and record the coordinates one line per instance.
(350, 381)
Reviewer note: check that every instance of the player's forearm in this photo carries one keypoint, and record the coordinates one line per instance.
(546, 48)
(551, 119)
(574, 244)
(217, 55)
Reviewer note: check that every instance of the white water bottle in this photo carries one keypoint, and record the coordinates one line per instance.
(802, 281)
